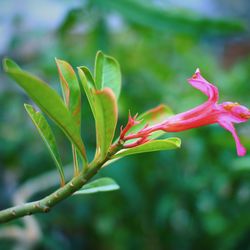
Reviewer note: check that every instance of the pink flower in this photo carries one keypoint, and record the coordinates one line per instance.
(210, 112)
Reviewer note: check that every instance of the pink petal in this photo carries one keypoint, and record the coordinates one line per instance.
(200, 83)
(235, 112)
(209, 90)
(241, 151)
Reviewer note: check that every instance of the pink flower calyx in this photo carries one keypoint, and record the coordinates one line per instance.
(140, 141)
(131, 122)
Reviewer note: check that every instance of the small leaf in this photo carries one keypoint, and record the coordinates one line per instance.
(100, 185)
(107, 73)
(157, 145)
(71, 89)
(104, 108)
(47, 136)
(48, 101)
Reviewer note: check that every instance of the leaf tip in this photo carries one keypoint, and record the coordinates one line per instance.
(9, 64)
(99, 53)
(58, 61)
(26, 105)
(177, 142)
(29, 109)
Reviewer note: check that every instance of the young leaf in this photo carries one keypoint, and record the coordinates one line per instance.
(100, 185)
(72, 97)
(48, 101)
(107, 73)
(157, 145)
(71, 89)
(104, 108)
(88, 86)
(47, 136)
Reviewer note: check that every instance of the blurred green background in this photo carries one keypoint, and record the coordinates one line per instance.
(197, 197)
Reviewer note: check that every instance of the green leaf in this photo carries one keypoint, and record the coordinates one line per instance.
(72, 98)
(71, 89)
(48, 101)
(100, 185)
(106, 119)
(104, 107)
(107, 73)
(88, 86)
(157, 145)
(47, 136)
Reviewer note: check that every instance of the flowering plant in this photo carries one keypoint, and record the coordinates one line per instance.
(210, 112)
(140, 134)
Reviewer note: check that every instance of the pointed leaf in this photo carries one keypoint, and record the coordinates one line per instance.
(47, 136)
(72, 98)
(104, 108)
(88, 86)
(157, 145)
(48, 101)
(71, 89)
(100, 185)
(107, 73)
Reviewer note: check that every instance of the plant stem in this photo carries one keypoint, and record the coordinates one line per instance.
(44, 205)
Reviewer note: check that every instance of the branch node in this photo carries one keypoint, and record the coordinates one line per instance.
(56, 195)
(83, 180)
(46, 209)
(37, 205)
(13, 212)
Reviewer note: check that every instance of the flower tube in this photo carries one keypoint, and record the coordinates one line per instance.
(210, 112)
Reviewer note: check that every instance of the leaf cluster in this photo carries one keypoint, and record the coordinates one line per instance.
(102, 90)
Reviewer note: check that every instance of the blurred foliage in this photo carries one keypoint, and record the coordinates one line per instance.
(195, 198)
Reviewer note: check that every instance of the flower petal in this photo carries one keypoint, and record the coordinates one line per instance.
(235, 112)
(241, 151)
(200, 83)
